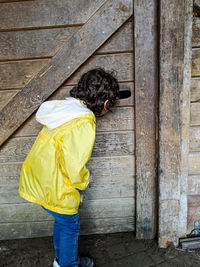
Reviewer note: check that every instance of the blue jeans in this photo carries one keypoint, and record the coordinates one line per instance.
(66, 231)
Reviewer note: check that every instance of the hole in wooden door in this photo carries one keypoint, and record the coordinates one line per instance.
(124, 94)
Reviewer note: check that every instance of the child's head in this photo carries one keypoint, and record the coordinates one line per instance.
(97, 88)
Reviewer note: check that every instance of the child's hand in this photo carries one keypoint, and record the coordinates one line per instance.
(83, 197)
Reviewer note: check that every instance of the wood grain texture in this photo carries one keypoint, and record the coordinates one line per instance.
(17, 74)
(45, 228)
(46, 42)
(196, 7)
(5, 97)
(195, 139)
(106, 144)
(194, 184)
(101, 167)
(99, 208)
(195, 90)
(174, 118)
(120, 119)
(101, 188)
(195, 114)
(194, 162)
(33, 14)
(195, 62)
(193, 211)
(63, 91)
(120, 41)
(121, 63)
(146, 85)
(63, 64)
(196, 32)
(33, 43)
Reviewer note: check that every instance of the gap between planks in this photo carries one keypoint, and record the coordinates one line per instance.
(97, 132)
(43, 28)
(44, 220)
(91, 200)
(127, 52)
(103, 157)
(62, 86)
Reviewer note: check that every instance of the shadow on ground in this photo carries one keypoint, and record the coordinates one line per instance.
(111, 250)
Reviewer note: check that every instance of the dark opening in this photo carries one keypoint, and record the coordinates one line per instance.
(124, 94)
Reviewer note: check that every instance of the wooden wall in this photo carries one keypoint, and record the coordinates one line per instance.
(194, 155)
(29, 37)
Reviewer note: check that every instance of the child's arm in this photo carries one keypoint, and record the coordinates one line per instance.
(76, 150)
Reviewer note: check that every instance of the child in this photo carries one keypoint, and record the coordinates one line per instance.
(54, 170)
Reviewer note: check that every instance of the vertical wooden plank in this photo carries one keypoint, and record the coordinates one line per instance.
(174, 105)
(146, 84)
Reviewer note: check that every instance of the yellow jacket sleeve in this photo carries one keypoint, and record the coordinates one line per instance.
(76, 150)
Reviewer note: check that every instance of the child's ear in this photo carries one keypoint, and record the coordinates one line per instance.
(106, 105)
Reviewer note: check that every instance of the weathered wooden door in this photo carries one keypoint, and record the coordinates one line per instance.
(45, 47)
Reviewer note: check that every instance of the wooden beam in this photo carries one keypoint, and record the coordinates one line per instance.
(110, 16)
(146, 85)
(174, 120)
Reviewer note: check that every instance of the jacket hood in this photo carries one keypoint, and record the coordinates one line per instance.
(57, 112)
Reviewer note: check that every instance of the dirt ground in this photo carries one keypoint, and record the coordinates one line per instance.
(111, 250)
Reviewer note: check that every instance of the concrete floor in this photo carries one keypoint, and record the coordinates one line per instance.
(113, 250)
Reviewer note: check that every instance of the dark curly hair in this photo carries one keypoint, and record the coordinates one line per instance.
(95, 87)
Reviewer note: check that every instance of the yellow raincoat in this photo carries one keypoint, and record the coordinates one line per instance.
(55, 166)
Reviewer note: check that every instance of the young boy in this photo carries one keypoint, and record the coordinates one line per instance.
(54, 170)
